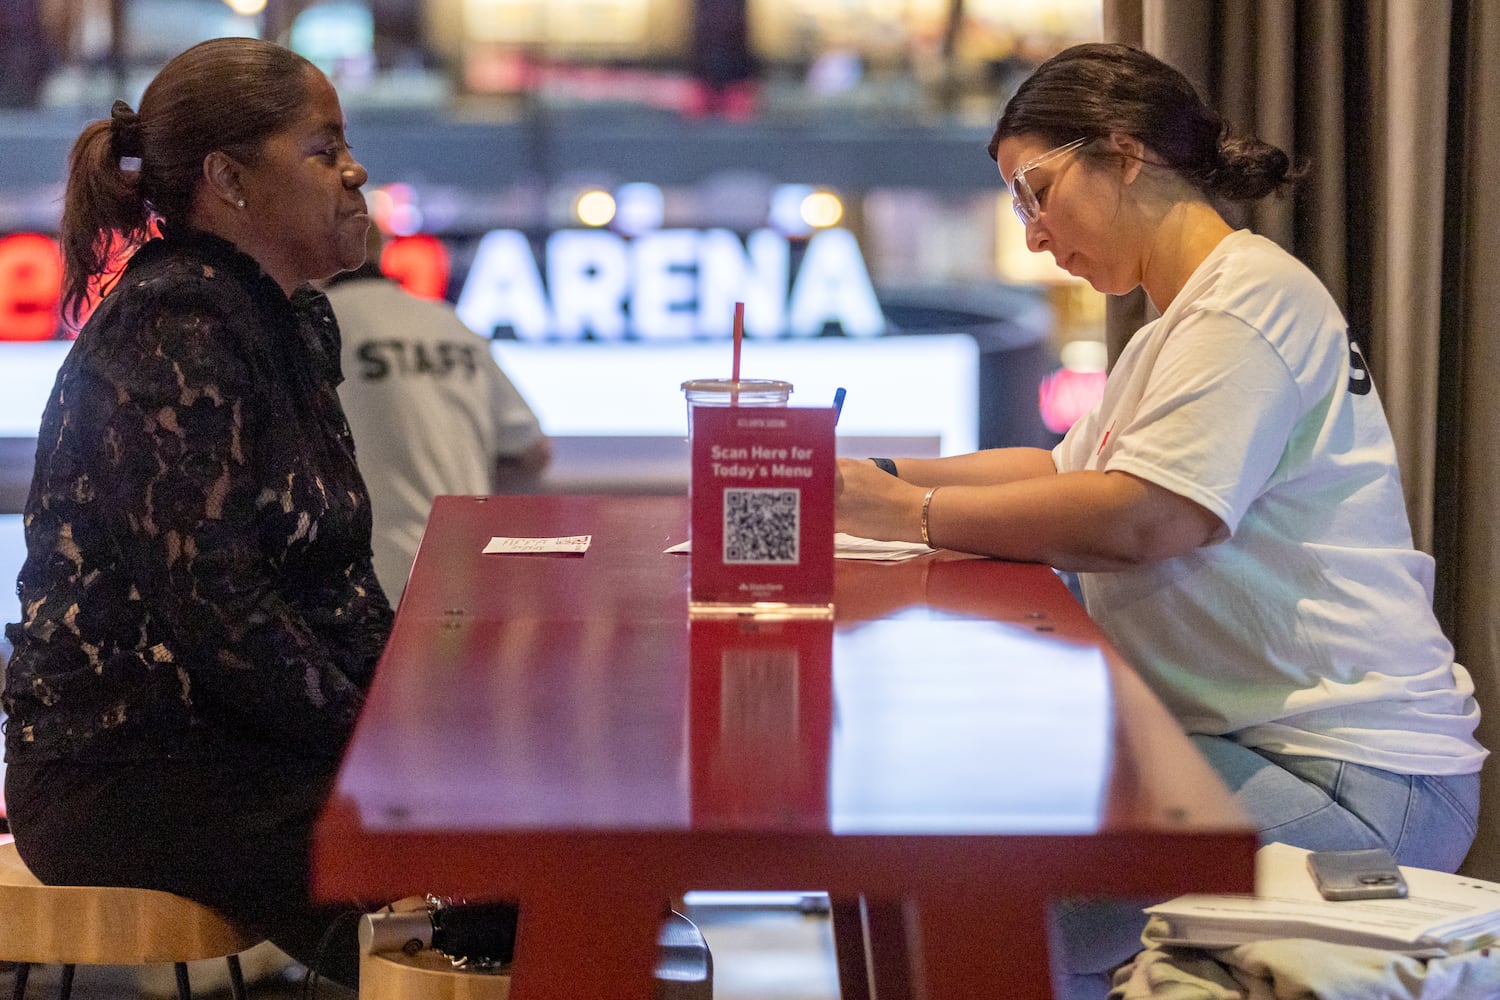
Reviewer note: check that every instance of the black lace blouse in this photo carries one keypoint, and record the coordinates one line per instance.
(198, 575)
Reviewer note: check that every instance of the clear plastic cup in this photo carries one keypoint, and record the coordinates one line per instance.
(728, 392)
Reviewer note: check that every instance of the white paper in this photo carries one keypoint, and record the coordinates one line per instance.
(1442, 913)
(507, 545)
(853, 547)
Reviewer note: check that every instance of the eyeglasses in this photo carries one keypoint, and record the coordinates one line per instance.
(1022, 198)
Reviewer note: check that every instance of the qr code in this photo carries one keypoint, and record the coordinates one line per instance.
(762, 526)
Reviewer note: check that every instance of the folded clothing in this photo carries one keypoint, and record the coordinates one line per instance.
(1304, 969)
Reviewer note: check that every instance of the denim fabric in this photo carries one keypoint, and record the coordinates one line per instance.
(1309, 802)
(1323, 805)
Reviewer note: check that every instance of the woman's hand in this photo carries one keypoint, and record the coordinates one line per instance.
(875, 504)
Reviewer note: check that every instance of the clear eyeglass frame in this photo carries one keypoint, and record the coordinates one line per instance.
(1023, 200)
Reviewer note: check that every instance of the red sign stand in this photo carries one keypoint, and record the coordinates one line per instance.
(762, 509)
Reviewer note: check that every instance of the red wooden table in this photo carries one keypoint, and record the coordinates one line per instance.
(959, 745)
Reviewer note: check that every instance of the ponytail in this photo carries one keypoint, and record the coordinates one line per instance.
(104, 213)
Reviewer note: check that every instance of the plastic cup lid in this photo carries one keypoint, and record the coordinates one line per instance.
(729, 385)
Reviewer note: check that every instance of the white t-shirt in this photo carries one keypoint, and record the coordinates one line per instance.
(1308, 629)
(430, 410)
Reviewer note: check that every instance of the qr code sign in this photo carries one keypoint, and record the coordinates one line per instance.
(762, 526)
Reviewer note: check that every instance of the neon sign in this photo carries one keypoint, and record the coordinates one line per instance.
(30, 287)
(419, 262)
(668, 285)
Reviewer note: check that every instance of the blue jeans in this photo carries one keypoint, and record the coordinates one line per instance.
(1309, 802)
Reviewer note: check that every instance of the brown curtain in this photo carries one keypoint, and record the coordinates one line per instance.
(1467, 543)
(1396, 106)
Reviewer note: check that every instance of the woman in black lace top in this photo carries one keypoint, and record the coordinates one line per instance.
(199, 615)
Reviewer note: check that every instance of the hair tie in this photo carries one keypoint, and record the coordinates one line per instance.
(125, 130)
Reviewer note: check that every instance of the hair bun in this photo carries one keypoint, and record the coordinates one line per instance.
(125, 130)
(1245, 168)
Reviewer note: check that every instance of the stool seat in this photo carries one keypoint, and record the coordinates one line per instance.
(72, 925)
(105, 925)
(684, 971)
(425, 975)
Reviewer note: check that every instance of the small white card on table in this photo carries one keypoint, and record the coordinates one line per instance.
(569, 543)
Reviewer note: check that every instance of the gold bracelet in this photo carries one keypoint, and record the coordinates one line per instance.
(926, 509)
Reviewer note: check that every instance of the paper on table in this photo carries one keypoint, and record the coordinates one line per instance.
(569, 543)
(1442, 914)
(853, 547)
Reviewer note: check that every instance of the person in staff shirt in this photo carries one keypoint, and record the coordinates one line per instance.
(431, 411)
(1233, 505)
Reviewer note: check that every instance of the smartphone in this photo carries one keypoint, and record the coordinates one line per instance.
(1364, 874)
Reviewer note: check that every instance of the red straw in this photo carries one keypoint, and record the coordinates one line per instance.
(739, 337)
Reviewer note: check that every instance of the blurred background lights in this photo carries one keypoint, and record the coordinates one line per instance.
(639, 208)
(379, 202)
(1074, 389)
(595, 208)
(394, 208)
(1085, 355)
(337, 36)
(405, 219)
(246, 8)
(821, 209)
(785, 214)
(419, 262)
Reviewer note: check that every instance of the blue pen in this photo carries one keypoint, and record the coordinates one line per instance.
(838, 403)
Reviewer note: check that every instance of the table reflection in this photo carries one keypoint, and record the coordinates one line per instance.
(761, 712)
(949, 725)
(917, 723)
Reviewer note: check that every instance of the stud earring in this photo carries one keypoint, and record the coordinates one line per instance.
(240, 203)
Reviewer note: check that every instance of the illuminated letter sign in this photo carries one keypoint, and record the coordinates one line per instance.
(668, 285)
(832, 287)
(754, 273)
(665, 262)
(504, 289)
(30, 287)
(589, 274)
(419, 263)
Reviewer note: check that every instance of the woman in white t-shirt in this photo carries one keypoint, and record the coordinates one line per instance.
(1233, 505)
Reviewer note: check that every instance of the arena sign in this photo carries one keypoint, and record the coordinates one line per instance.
(668, 285)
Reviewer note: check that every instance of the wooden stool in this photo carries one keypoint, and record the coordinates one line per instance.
(106, 925)
(684, 971)
(425, 975)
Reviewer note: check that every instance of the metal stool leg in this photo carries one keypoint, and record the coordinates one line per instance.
(65, 989)
(236, 978)
(23, 971)
(848, 914)
(890, 959)
(184, 991)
